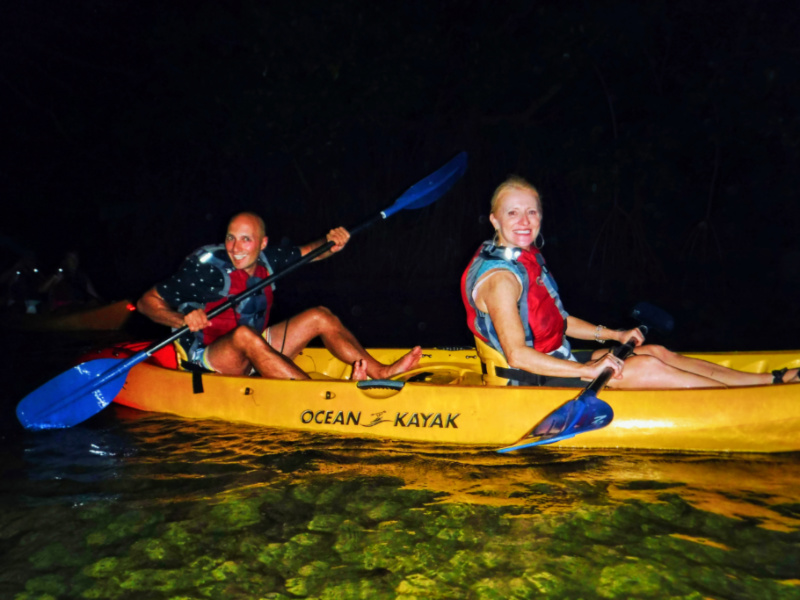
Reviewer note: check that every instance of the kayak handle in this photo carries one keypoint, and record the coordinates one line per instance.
(380, 384)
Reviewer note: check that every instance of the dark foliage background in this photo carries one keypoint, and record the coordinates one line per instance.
(663, 136)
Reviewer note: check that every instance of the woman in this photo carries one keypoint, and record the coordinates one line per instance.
(513, 305)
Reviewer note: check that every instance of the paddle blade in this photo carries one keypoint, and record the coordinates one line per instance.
(433, 187)
(73, 396)
(585, 413)
(653, 317)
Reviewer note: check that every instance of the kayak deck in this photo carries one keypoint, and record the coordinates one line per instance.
(444, 401)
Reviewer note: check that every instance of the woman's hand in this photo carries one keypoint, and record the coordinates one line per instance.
(635, 335)
(595, 368)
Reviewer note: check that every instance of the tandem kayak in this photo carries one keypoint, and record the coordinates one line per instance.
(108, 317)
(445, 401)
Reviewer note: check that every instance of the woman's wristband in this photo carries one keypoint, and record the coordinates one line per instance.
(597, 337)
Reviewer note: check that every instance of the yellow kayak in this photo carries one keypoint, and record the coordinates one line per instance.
(444, 401)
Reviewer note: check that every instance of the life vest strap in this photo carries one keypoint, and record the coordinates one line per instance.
(496, 370)
(523, 377)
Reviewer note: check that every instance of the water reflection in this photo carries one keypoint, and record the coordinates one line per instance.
(137, 505)
(759, 487)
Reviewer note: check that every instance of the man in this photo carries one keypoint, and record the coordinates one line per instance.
(232, 342)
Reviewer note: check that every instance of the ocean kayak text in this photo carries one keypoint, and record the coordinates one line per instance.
(333, 417)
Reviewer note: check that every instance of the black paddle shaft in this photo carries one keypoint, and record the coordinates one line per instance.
(420, 194)
(247, 293)
(265, 282)
(622, 352)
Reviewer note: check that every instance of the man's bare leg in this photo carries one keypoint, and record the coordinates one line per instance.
(338, 340)
(237, 352)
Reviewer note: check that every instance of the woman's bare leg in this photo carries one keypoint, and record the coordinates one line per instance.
(724, 375)
(645, 371)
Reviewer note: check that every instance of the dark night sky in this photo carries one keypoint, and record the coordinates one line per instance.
(663, 136)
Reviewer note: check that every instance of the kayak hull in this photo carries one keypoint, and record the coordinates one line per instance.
(444, 402)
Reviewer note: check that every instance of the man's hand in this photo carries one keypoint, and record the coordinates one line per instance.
(196, 320)
(339, 236)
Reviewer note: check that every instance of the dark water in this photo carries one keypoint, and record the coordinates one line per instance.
(141, 506)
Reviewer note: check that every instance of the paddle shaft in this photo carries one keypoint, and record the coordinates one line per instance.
(622, 352)
(249, 292)
(419, 195)
(127, 364)
(265, 282)
(97, 390)
(570, 418)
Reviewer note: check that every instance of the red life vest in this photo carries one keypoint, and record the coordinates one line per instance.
(545, 318)
(231, 318)
(541, 312)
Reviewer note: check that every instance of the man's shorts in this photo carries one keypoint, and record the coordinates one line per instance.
(199, 358)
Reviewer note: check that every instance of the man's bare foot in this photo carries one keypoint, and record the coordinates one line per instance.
(359, 371)
(403, 364)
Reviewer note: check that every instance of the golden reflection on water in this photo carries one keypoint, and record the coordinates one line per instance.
(761, 488)
(134, 504)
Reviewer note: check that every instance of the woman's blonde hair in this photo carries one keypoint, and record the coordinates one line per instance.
(514, 182)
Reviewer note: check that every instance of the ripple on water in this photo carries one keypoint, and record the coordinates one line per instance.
(135, 505)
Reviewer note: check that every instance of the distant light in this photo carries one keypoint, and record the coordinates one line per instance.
(130, 307)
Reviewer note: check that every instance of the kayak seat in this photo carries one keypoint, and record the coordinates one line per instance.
(490, 360)
(321, 365)
(165, 357)
(440, 374)
(180, 356)
(318, 375)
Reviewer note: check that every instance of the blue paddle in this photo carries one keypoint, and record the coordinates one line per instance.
(587, 412)
(85, 390)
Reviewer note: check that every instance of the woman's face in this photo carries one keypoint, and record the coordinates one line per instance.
(517, 218)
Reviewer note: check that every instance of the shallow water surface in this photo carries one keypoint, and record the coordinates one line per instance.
(132, 506)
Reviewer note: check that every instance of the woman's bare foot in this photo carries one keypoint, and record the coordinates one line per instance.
(359, 370)
(792, 376)
(403, 364)
(786, 375)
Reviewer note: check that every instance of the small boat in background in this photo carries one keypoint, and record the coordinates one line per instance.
(107, 317)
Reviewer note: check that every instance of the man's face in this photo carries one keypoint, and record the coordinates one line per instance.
(244, 241)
